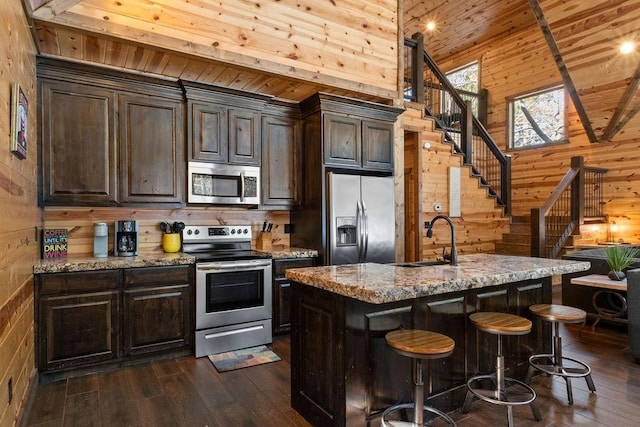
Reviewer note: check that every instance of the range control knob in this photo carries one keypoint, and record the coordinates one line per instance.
(246, 230)
(233, 231)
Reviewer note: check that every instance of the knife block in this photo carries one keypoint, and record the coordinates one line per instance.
(264, 241)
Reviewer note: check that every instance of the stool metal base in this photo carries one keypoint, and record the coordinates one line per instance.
(511, 393)
(400, 423)
(554, 364)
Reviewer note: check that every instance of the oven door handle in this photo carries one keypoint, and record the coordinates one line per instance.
(233, 266)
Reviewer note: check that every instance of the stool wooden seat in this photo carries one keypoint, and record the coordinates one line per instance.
(503, 390)
(419, 345)
(555, 363)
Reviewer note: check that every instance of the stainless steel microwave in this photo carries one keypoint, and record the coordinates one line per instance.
(223, 184)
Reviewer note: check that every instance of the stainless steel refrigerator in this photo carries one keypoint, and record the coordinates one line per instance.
(361, 219)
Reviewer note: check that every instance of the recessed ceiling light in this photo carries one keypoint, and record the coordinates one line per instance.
(431, 26)
(627, 47)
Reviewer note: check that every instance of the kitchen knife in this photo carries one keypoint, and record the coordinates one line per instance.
(264, 226)
(269, 228)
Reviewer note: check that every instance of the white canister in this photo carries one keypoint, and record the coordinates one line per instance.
(100, 240)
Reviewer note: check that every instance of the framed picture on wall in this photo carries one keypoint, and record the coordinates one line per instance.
(19, 110)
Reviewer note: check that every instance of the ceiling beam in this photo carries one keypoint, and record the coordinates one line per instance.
(54, 8)
(564, 72)
(615, 124)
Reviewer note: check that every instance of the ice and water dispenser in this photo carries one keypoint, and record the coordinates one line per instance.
(346, 228)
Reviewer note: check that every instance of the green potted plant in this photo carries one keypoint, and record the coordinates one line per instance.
(619, 257)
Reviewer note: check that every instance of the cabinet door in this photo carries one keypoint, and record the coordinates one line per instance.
(152, 164)
(78, 330)
(342, 140)
(78, 144)
(282, 291)
(156, 319)
(377, 145)
(281, 174)
(207, 133)
(244, 137)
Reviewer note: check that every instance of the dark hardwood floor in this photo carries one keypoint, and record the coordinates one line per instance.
(190, 392)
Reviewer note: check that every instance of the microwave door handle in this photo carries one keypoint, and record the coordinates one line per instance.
(242, 186)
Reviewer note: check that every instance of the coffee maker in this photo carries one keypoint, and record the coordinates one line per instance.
(125, 238)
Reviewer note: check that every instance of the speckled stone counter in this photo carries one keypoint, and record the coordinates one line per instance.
(381, 283)
(71, 264)
(293, 253)
(341, 314)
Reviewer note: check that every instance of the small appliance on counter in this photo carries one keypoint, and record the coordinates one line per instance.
(125, 238)
(100, 240)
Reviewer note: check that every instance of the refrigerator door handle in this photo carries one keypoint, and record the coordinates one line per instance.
(365, 232)
(359, 229)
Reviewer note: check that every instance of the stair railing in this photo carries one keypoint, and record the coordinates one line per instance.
(452, 109)
(565, 209)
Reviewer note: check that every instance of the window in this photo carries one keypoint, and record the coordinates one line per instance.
(537, 118)
(465, 79)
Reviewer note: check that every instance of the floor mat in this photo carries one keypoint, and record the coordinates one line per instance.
(244, 358)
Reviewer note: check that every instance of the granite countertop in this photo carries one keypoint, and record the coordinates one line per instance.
(278, 253)
(152, 259)
(382, 283)
(88, 263)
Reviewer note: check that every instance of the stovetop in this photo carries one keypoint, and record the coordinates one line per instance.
(220, 243)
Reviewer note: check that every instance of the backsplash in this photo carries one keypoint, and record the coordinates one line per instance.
(79, 222)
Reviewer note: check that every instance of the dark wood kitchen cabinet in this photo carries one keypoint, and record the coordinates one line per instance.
(152, 162)
(77, 319)
(85, 321)
(109, 138)
(157, 314)
(223, 124)
(282, 291)
(349, 133)
(281, 157)
(78, 144)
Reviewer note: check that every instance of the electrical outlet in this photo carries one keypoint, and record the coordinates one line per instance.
(288, 228)
(10, 389)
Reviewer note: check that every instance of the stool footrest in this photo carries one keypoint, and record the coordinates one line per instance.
(546, 363)
(399, 423)
(523, 395)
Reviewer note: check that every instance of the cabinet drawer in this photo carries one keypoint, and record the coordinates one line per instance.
(85, 281)
(153, 276)
(281, 265)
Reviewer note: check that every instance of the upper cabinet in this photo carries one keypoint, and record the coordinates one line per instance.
(223, 125)
(109, 140)
(77, 133)
(350, 133)
(281, 156)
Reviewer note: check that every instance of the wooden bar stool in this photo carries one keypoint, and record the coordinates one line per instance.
(419, 345)
(504, 390)
(556, 363)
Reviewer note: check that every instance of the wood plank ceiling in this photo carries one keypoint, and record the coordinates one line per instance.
(585, 35)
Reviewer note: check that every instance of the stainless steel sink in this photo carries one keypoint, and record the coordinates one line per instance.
(421, 263)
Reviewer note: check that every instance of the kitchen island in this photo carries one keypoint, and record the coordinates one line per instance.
(342, 374)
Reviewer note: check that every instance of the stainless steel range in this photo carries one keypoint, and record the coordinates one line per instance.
(233, 289)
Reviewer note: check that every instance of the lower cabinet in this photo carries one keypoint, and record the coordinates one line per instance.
(157, 310)
(282, 291)
(108, 317)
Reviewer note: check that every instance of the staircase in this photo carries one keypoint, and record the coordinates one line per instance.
(518, 240)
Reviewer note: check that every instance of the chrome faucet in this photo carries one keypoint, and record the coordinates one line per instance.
(454, 253)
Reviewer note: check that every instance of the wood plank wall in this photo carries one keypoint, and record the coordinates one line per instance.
(481, 223)
(79, 222)
(21, 216)
(521, 63)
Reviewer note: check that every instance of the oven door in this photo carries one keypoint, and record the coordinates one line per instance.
(232, 292)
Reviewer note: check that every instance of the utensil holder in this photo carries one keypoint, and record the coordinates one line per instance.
(171, 242)
(264, 241)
